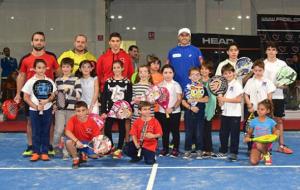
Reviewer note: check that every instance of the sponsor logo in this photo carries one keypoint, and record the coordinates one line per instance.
(216, 41)
(176, 55)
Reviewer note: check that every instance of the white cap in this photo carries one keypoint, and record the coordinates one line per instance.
(182, 30)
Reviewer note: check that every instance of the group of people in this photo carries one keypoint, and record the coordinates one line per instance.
(92, 86)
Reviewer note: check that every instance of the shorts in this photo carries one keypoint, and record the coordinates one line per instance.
(86, 150)
(269, 146)
(278, 107)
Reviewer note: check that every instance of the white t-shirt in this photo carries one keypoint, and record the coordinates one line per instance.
(28, 89)
(225, 62)
(271, 70)
(233, 109)
(174, 89)
(258, 90)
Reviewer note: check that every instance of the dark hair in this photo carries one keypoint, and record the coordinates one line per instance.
(38, 33)
(80, 104)
(115, 34)
(82, 35)
(259, 63)
(39, 61)
(227, 67)
(79, 73)
(144, 104)
(232, 44)
(152, 59)
(118, 62)
(193, 69)
(137, 79)
(67, 61)
(209, 66)
(132, 47)
(268, 105)
(271, 44)
(167, 66)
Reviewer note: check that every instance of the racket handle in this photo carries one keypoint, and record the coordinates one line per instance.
(167, 115)
(139, 152)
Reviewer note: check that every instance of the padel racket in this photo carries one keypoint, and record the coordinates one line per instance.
(144, 131)
(101, 145)
(243, 66)
(10, 109)
(164, 98)
(42, 89)
(61, 100)
(121, 109)
(218, 85)
(196, 92)
(285, 76)
(152, 94)
(247, 124)
(265, 138)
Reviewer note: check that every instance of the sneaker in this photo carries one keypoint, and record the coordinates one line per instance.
(163, 153)
(268, 159)
(187, 155)
(284, 149)
(174, 153)
(199, 155)
(45, 157)
(117, 154)
(83, 157)
(51, 152)
(28, 151)
(35, 157)
(206, 154)
(219, 156)
(232, 157)
(75, 163)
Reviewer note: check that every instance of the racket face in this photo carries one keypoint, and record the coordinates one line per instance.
(197, 91)
(265, 138)
(10, 109)
(285, 76)
(243, 66)
(121, 109)
(42, 89)
(164, 97)
(218, 85)
(152, 94)
(102, 144)
(61, 100)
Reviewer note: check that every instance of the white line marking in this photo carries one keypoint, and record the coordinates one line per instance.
(147, 167)
(152, 177)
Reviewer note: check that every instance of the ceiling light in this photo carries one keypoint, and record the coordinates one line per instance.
(232, 28)
(247, 17)
(12, 17)
(239, 17)
(226, 28)
(51, 29)
(120, 16)
(133, 28)
(127, 28)
(112, 16)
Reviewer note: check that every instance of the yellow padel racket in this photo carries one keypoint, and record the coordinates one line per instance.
(265, 138)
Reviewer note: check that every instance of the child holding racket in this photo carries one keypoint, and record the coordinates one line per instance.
(195, 97)
(80, 130)
(259, 126)
(89, 84)
(172, 122)
(70, 86)
(115, 88)
(40, 123)
(231, 115)
(144, 132)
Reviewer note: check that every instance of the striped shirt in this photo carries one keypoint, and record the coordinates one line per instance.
(74, 92)
(139, 90)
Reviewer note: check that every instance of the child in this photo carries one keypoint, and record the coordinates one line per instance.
(257, 89)
(206, 71)
(153, 131)
(154, 63)
(272, 66)
(172, 122)
(259, 126)
(194, 115)
(231, 115)
(233, 53)
(71, 86)
(115, 88)
(80, 130)
(40, 123)
(89, 84)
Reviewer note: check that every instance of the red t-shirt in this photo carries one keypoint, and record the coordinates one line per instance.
(26, 64)
(83, 131)
(153, 127)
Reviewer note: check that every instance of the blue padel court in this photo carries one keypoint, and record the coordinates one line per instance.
(17, 172)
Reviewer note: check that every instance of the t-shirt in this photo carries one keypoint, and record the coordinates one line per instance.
(271, 70)
(174, 89)
(83, 131)
(182, 58)
(77, 58)
(225, 62)
(157, 78)
(8, 65)
(28, 89)
(258, 90)
(262, 128)
(153, 127)
(233, 109)
(26, 64)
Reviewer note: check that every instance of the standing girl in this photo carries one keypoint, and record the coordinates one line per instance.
(172, 122)
(115, 88)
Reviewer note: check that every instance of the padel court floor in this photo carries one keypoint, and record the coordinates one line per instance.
(17, 172)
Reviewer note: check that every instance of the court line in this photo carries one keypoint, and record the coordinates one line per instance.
(148, 167)
(152, 177)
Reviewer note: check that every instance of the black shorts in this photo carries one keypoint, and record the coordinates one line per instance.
(278, 107)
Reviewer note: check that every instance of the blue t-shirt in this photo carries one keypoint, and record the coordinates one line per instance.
(8, 65)
(182, 58)
(262, 128)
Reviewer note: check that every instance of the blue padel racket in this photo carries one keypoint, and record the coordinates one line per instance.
(243, 66)
(42, 89)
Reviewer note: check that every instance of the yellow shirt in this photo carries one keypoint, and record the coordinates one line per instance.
(77, 58)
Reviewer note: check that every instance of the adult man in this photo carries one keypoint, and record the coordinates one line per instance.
(114, 53)
(26, 71)
(8, 65)
(133, 52)
(183, 57)
(79, 53)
